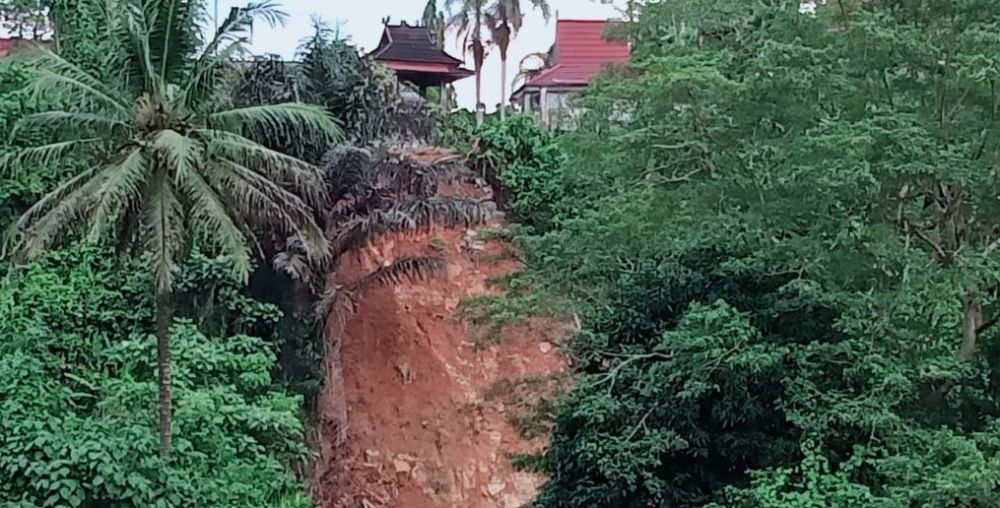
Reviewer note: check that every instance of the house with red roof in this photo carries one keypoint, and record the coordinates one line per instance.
(9, 44)
(5, 46)
(580, 52)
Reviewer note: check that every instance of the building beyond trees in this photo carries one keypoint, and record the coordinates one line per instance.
(410, 51)
(579, 53)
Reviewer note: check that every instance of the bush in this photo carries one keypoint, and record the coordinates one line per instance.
(78, 396)
(521, 159)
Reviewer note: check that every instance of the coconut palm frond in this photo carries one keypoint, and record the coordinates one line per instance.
(69, 122)
(288, 119)
(173, 35)
(119, 184)
(240, 21)
(43, 222)
(56, 78)
(414, 215)
(403, 269)
(298, 176)
(138, 29)
(12, 161)
(266, 202)
(163, 231)
(231, 41)
(180, 153)
(209, 214)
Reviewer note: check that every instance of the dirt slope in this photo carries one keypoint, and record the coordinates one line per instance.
(413, 415)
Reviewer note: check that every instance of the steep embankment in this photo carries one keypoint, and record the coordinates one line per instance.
(413, 414)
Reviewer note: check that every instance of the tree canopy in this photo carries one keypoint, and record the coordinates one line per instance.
(782, 229)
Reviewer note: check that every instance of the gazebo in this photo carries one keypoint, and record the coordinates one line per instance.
(410, 52)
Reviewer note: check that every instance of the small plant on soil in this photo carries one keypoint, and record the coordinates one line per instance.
(489, 315)
(495, 233)
(531, 402)
(436, 244)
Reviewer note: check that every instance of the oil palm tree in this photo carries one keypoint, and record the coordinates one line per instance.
(468, 20)
(167, 161)
(504, 20)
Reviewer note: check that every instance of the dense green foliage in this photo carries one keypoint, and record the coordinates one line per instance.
(17, 193)
(781, 231)
(359, 92)
(519, 157)
(77, 358)
(78, 391)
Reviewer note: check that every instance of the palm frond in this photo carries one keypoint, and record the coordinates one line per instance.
(347, 167)
(172, 32)
(138, 29)
(119, 184)
(262, 201)
(230, 41)
(240, 21)
(544, 7)
(163, 230)
(288, 119)
(304, 178)
(55, 78)
(414, 215)
(180, 153)
(39, 225)
(401, 270)
(210, 215)
(209, 73)
(297, 265)
(43, 155)
(70, 122)
(335, 299)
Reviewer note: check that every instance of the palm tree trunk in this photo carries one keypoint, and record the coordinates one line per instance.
(503, 87)
(479, 101)
(163, 364)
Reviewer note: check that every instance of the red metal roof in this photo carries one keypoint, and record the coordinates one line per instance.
(579, 53)
(5, 45)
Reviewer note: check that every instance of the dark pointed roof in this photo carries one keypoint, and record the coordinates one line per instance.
(405, 43)
(411, 52)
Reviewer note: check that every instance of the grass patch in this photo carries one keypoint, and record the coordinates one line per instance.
(535, 420)
(531, 400)
(488, 315)
(494, 233)
(529, 462)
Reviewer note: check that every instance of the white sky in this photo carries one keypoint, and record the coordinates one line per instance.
(363, 24)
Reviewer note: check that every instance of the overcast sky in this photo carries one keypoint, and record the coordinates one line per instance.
(362, 22)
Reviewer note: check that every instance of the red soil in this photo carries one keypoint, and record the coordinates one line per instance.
(413, 414)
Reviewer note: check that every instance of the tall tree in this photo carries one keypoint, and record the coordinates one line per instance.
(170, 162)
(784, 234)
(505, 19)
(468, 20)
(434, 20)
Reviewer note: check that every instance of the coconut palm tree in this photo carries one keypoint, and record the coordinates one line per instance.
(468, 20)
(504, 20)
(167, 161)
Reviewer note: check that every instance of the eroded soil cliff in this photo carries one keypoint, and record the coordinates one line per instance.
(414, 414)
